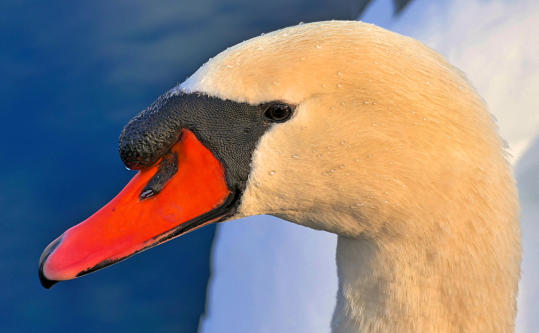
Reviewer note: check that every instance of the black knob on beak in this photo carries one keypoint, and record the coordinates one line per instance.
(150, 135)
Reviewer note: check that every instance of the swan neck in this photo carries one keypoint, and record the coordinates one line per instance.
(398, 285)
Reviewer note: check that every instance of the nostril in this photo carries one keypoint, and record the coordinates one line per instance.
(167, 169)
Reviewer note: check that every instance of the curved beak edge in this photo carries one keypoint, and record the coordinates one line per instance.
(46, 283)
(196, 195)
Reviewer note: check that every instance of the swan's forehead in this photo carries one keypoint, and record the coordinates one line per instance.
(291, 64)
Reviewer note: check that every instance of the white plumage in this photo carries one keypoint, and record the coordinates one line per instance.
(391, 149)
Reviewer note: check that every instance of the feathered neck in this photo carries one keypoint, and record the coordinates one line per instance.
(406, 285)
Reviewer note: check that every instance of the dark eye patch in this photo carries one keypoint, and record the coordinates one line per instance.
(230, 130)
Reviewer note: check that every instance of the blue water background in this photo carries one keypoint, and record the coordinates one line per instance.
(72, 74)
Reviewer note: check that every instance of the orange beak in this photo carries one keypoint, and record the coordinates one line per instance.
(195, 195)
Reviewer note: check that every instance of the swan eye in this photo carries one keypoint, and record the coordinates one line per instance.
(278, 112)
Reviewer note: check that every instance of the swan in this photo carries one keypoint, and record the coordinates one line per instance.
(340, 126)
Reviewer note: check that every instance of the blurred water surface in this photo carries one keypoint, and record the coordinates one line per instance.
(73, 73)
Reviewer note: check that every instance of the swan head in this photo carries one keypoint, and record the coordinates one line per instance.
(338, 126)
(383, 128)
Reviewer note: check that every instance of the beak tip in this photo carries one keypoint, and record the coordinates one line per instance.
(45, 282)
